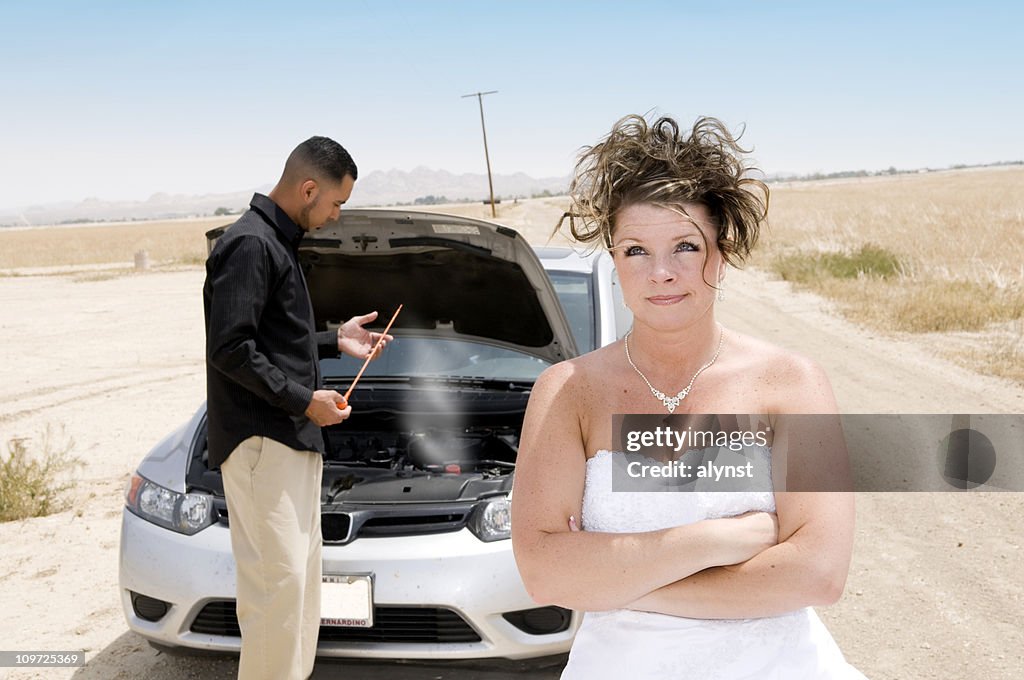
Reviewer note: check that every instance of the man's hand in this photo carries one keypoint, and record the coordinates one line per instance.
(356, 341)
(323, 409)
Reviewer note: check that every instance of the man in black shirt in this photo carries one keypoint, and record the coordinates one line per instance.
(265, 408)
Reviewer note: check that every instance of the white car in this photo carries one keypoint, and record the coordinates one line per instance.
(416, 483)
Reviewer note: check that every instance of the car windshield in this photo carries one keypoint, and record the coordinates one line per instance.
(575, 293)
(433, 357)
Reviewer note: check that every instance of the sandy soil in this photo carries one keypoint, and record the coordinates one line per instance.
(936, 589)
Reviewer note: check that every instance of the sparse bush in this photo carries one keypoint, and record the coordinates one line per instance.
(34, 485)
(869, 260)
(922, 306)
(869, 286)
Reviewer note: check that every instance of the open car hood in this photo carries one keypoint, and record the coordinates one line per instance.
(457, 277)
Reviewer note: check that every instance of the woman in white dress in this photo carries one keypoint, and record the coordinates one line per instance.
(677, 585)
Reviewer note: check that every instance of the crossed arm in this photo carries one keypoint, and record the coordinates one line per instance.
(722, 568)
(806, 568)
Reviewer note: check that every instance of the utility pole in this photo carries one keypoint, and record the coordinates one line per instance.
(490, 183)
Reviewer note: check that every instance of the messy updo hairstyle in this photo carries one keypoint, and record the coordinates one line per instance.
(655, 164)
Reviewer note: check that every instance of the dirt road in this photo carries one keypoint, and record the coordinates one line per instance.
(936, 589)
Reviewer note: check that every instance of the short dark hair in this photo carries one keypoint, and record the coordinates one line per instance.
(323, 157)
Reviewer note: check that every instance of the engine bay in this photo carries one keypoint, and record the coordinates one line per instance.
(480, 450)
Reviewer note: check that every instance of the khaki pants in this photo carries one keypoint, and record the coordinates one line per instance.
(273, 498)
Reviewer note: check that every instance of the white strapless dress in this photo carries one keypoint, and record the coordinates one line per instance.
(622, 644)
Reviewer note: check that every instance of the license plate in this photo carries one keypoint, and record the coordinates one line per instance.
(347, 600)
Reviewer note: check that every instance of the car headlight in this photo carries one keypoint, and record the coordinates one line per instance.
(492, 519)
(186, 513)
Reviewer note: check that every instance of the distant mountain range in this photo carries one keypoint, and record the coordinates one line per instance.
(391, 187)
(379, 188)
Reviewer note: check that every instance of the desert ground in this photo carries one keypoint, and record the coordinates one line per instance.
(113, 360)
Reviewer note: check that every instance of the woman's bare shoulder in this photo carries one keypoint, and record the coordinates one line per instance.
(790, 379)
(578, 371)
(573, 383)
(766, 355)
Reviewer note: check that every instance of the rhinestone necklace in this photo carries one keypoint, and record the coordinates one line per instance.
(671, 403)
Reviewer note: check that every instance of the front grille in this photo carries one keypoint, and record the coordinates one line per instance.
(426, 625)
(335, 526)
(338, 527)
(217, 618)
(417, 625)
(404, 525)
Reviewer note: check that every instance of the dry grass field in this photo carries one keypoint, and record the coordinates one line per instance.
(167, 242)
(183, 242)
(937, 255)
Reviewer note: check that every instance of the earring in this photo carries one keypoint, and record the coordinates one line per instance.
(721, 292)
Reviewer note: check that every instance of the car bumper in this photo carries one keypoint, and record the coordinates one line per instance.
(450, 572)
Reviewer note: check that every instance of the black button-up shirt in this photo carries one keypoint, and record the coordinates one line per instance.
(262, 348)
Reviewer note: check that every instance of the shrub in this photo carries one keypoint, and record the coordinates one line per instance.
(35, 485)
(869, 260)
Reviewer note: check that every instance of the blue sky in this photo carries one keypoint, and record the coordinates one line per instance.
(119, 100)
